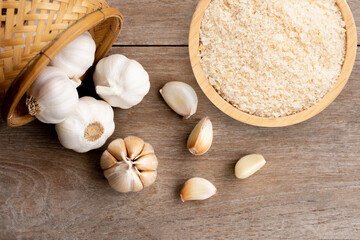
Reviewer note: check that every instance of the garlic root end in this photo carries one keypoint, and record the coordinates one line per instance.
(33, 106)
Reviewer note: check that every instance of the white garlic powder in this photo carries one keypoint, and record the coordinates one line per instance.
(272, 58)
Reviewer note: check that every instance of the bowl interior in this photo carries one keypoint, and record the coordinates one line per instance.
(219, 102)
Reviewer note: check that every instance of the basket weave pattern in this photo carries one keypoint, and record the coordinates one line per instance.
(29, 26)
(34, 30)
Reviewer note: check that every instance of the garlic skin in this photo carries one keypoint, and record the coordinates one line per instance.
(248, 165)
(180, 97)
(129, 164)
(197, 189)
(120, 81)
(90, 125)
(77, 57)
(201, 137)
(52, 97)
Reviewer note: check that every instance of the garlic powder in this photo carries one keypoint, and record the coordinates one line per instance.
(272, 58)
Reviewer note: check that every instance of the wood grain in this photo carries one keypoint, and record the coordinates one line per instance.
(154, 22)
(226, 107)
(309, 188)
(168, 21)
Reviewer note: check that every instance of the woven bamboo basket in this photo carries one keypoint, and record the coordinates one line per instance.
(33, 32)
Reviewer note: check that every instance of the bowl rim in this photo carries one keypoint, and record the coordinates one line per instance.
(232, 111)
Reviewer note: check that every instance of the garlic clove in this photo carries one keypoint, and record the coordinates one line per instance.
(147, 162)
(107, 160)
(137, 185)
(134, 146)
(148, 177)
(119, 166)
(120, 181)
(197, 189)
(180, 97)
(248, 165)
(148, 149)
(117, 148)
(201, 137)
(123, 178)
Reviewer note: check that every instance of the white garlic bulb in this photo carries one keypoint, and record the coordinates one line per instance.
(52, 97)
(90, 125)
(120, 81)
(77, 57)
(129, 164)
(180, 97)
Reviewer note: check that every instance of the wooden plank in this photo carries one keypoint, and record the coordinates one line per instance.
(155, 22)
(309, 188)
(355, 9)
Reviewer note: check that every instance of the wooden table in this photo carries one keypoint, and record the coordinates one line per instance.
(309, 188)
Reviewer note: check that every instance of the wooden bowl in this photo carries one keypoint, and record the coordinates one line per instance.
(219, 102)
(34, 32)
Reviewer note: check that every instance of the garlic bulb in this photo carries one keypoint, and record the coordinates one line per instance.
(90, 125)
(197, 189)
(129, 165)
(77, 57)
(52, 97)
(201, 137)
(120, 81)
(180, 97)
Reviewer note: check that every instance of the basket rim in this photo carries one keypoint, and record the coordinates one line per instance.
(235, 113)
(29, 73)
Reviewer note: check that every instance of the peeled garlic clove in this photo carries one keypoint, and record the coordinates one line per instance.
(134, 146)
(117, 147)
(148, 177)
(107, 160)
(180, 97)
(197, 189)
(200, 139)
(248, 165)
(147, 162)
